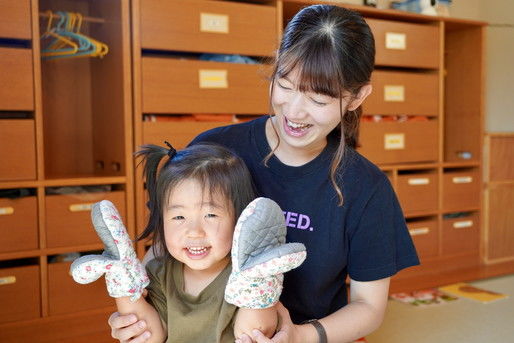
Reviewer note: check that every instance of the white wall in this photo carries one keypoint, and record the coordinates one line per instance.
(499, 92)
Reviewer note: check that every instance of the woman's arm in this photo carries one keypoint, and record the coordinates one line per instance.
(363, 315)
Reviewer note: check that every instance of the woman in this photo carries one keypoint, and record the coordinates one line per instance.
(336, 202)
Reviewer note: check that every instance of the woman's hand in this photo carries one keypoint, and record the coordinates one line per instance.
(286, 334)
(128, 329)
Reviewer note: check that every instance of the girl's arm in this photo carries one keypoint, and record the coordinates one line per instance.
(363, 315)
(146, 314)
(264, 320)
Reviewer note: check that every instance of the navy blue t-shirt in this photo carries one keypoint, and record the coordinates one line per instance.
(366, 238)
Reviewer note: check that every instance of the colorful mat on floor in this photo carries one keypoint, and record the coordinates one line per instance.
(471, 292)
(426, 297)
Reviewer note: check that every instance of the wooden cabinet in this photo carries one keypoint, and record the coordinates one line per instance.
(67, 296)
(18, 149)
(194, 86)
(400, 92)
(399, 142)
(208, 26)
(75, 123)
(17, 79)
(499, 197)
(18, 224)
(65, 126)
(425, 235)
(15, 20)
(68, 217)
(18, 283)
(405, 44)
(418, 192)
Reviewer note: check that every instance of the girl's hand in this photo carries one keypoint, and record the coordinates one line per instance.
(128, 329)
(286, 334)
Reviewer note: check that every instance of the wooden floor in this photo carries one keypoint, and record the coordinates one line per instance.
(405, 284)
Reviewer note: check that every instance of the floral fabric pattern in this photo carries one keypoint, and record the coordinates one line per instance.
(124, 273)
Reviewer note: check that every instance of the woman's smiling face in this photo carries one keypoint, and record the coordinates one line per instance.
(304, 119)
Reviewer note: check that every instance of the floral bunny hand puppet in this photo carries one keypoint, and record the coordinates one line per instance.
(124, 273)
(260, 256)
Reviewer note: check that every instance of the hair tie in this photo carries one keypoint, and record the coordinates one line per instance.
(171, 152)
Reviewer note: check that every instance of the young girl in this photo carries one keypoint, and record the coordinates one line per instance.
(340, 205)
(194, 200)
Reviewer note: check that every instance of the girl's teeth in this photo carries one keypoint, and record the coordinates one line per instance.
(197, 250)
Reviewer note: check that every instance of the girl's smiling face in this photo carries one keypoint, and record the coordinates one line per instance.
(198, 227)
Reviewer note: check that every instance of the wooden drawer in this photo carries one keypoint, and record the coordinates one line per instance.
(399, 93)
(20, 293)
(17, 80)
(461, 190)
(18, 149)
(179, 134)
(15, 19)
(209, 26)
(67, 296)
(405, 44)
(393, 142)
(18, 224)
(461, 235)
(425, 235)
(191, 86)
(68, 217)
(418, 192)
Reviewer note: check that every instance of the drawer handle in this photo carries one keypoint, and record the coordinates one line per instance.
(394, 93)
(4, 211)
(209, 78)
(395, 41)
(7, 280)
(463, 224)
(394, 141)
(462, 179)
(419, 181)
(214, 23)
(419, 231)
(81, 207)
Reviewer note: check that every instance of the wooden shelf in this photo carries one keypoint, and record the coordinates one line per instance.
(84, 180)
(65, 181)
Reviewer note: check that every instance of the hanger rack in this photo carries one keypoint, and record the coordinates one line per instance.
(86, 19)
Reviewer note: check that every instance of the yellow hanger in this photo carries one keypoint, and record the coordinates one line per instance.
(74, 24)
(101, 48)
(66, 46)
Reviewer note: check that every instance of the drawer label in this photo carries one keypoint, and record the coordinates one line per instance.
(394, 93)
(6, 210)
(419, 231)
(7, 280)
(394, 141)
(419, 181)
(81, 207)
(462, 179)
(463, 224)
(213, 78)
(396, 41)
(215, 23)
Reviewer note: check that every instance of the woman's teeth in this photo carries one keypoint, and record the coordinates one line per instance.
(197, 250)
(297, 126)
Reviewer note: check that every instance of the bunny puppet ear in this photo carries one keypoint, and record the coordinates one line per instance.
(87, 269)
